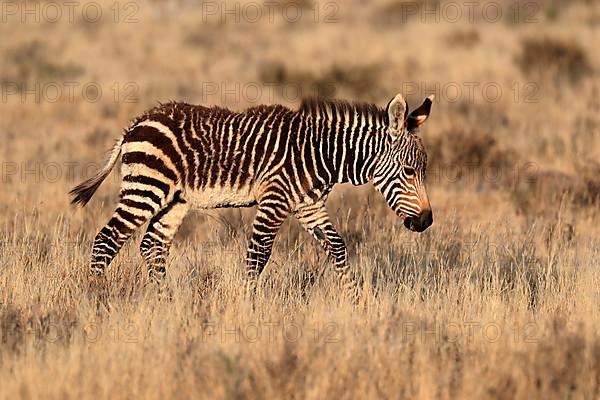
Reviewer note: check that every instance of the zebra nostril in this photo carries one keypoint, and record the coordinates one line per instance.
(426, 219)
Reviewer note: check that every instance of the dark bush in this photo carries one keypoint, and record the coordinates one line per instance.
(547, 58)
(398, 12)
(463, 38)
(30, 62)
(360, 81)
(588, 187)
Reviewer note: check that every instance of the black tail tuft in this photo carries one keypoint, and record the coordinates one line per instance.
(83, 192)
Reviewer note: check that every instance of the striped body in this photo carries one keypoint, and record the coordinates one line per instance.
(226, 159)
(178, 156)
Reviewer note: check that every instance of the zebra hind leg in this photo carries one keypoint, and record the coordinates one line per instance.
(157, 240)
(130, 214)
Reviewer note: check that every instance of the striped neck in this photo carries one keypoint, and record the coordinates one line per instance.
(355, 135)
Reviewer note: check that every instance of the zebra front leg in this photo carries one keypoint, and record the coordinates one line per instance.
(157, 240)
(269, 217)
(315, 220)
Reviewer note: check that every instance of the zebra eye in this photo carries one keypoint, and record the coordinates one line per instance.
(409, 171)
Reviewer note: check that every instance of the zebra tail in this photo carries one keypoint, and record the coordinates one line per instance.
(83, 192)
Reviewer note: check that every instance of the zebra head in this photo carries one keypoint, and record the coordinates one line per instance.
(400, 171)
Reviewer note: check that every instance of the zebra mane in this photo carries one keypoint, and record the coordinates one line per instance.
(171, 107)
(314, 105)
(311, 106)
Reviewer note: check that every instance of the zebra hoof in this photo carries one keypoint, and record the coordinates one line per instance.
(165, 294)
(96, 271)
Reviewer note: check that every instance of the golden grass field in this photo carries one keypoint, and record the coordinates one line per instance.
(499, 299)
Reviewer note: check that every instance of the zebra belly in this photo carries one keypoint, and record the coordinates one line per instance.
(220, 197)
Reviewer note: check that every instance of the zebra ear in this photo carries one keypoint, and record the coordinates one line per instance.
(397, 110)
(418, 116)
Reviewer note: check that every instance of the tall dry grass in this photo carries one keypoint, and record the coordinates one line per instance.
(498, 299)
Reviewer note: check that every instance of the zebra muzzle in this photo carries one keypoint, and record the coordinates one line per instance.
(420, 223)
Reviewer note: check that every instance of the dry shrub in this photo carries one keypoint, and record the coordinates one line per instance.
(556, 366)
(556, 363)
(399, 12)
(588, 188)
(549, 58)
(463, 38)
(465, 146)
(13, 327)
(43, 328)
(487, 116)
(358, 80)
(302, 4)
(469, 152)
(552, 12)
(543, 194)
(98, 137)
(30, 63)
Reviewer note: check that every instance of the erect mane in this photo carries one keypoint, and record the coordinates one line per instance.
(313, 105)
(265, 109)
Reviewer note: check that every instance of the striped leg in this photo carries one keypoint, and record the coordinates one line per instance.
(159, 236)
(315, 220)
(269, 217)
(131, 213)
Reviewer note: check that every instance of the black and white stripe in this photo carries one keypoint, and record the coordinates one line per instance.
(178, 156)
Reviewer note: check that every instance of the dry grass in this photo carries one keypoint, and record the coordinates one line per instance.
(498, 299)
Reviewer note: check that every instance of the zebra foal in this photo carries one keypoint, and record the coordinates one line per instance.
(177, 156)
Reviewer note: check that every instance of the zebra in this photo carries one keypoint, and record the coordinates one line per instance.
(177, 156)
